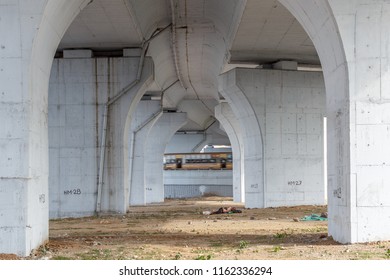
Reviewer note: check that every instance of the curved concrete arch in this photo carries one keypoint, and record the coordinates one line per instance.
(158, 138)
(318, 19)
(39, 28)
(177, 55)
(115, 194)
(139, 133)
(225, 116)
(252, 138)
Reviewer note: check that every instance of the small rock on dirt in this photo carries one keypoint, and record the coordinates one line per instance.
(272, 218)
(296, 219)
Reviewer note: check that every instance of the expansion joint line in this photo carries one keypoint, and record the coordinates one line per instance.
(188, 63)
(175, 49)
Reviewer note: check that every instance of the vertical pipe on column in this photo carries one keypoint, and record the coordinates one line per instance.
(105, 115)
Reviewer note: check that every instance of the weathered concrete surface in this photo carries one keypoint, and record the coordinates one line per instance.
(351, 39)
(79, 89)
(158, 138)
(351, 42)
(146, 115)
(191, 183)
(30, 34)
(228, 120)
(280, 114)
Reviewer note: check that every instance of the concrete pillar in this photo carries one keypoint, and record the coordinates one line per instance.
(290, 106)
(79, 90)
(76, 102)
(352, 38)
(147, 114)
(158, 138)
(117, 181)
(360, 188)
(228, 120)
(252, 139)
(31, 33)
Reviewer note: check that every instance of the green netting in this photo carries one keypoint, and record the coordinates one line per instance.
(314, 217)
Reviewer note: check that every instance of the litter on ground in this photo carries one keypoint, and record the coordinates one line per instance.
(315, 217)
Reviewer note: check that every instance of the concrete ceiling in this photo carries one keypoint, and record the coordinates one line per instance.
(205, 37)
(268, 33)
(103, 25)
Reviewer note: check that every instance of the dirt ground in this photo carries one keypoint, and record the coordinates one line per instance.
(178, 229)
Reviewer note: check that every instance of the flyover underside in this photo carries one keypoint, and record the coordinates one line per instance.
(280, 118)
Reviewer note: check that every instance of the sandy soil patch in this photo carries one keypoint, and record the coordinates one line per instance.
(177, 229)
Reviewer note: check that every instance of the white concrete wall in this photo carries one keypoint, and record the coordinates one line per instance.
(79, 88)
(191, 183)
(77, 92)
(289, 107)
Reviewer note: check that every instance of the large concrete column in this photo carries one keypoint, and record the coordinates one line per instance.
(31, 33)
(147, 114)
(252, 138)
(365, 201)
(117, 181)
(228, 120)
(352, 38)
(79, 89)
(289, 105)
(76, 98)
(158, 138)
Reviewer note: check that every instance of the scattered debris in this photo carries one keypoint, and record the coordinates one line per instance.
(272, 218)
(296, 220)
(226, 210)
